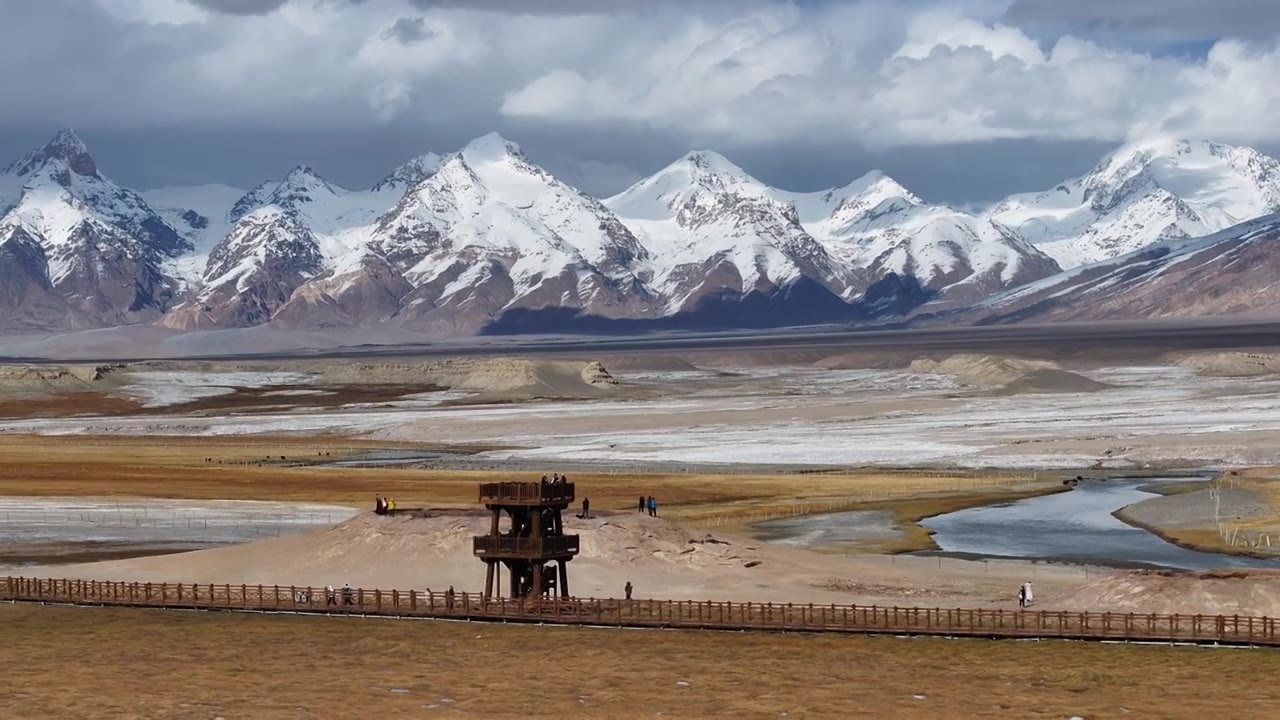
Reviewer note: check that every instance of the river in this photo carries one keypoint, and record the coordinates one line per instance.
(1073, 526)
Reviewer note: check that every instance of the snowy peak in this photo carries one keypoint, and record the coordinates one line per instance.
(1143, 193)
(874, 192)
(65, 146)
(411, 173)
(712, 168)
(663, 194)
(1238, 179)
(301, 185)
(718, 235)
(490, 148)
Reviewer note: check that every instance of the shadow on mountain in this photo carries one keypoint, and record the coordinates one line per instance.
(804, 302)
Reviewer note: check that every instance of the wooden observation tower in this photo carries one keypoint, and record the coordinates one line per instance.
(533, 547)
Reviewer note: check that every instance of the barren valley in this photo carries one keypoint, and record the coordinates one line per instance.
(810, 475)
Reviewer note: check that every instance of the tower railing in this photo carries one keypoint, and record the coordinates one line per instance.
(525, 493)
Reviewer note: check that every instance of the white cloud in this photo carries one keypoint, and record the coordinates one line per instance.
(941, 29)
(950, 79)
(874, 72)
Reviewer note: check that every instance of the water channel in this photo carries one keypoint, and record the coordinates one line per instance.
(1075, 526)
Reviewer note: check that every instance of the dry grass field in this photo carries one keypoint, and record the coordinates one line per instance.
(106, 663)
(250, 468)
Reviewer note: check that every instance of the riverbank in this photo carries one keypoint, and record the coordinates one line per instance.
(1079, 526)
(1236, 513)
(894, 525)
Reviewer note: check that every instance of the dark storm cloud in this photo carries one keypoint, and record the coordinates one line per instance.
(408, 31)
(1171, 18)
(240, 7)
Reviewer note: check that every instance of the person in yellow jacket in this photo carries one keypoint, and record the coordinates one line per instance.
(391, 505)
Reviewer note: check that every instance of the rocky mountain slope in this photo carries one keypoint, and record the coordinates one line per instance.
(1232, 272)
(484, 240)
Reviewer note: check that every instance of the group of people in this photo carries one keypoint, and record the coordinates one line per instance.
(1025, 595)
(384, 506)
(556, 479)
(649, 505)
(331, 596)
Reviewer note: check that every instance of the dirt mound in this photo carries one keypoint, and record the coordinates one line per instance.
(981, 370)
(433, 551)
(1050, 380)
(595, 374)
(1232, 364)
(1255, 592)
(39, 380)
(494, 377)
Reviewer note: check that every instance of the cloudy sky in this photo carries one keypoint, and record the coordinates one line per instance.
(962, 100)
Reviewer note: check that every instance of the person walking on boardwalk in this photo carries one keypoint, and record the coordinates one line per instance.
(330, 596)
(643, 505)
(627, 589)
(1028, 596)
(448, 598)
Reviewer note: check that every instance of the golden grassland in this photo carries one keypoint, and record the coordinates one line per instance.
(97, 662)
(253, 468)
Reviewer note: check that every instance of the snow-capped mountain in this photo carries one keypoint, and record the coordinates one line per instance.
(876, 224)
(485, 240)
(489, 232)
(103, 245)
(202, 215)
(252, 272)
(1229, 272)
(718, 236)
(28, 299)
(1141, 194)
(282, 235)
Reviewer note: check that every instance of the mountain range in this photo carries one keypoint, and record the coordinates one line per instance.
(483, 240)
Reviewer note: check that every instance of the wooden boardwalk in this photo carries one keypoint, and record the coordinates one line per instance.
(786, 617)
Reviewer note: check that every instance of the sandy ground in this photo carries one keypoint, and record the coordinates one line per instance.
(1255, 593)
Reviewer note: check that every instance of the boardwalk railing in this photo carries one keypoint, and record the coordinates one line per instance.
(1223, 629)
